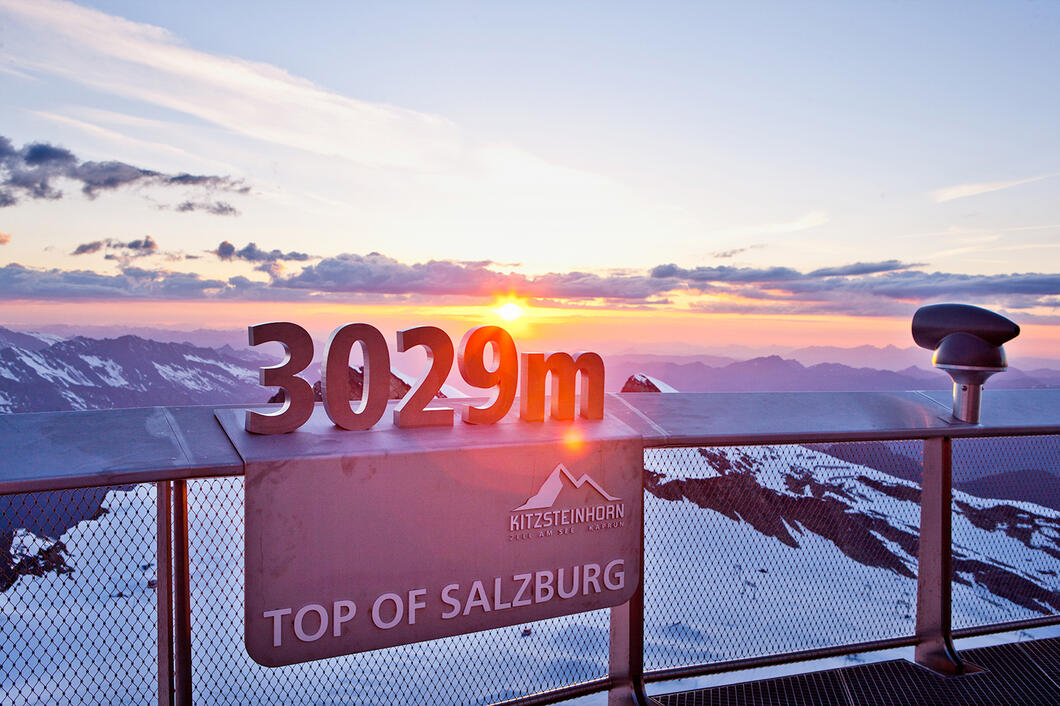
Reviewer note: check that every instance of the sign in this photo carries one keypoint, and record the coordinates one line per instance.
(510, 370)
(365, 541)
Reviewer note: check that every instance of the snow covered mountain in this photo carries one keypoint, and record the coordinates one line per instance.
(788, 498)
(645, 383)
(87, 373)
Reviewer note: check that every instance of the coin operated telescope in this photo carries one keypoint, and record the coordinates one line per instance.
(967, 342)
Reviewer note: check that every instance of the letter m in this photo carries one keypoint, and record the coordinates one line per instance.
(533, 367)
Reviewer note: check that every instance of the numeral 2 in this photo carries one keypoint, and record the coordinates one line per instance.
(411, 410)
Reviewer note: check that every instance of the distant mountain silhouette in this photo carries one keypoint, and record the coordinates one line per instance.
(1030, 485)
(874, 454)
(26, 341)
(776, 374)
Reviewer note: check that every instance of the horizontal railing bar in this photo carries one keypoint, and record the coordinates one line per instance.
(956, 432)
(996, 628)
(67, 450)
(736, 665)
(103, 481)
(695, 670)
(562, 693)
(96, 479)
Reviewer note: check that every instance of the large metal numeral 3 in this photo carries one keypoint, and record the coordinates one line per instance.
(298, 406)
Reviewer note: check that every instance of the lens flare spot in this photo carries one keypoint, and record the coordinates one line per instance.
(572, 438)
(509, 311)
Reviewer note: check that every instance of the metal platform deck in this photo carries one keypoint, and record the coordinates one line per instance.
(1016, 674)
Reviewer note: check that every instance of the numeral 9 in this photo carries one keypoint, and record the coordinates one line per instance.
(505, 376)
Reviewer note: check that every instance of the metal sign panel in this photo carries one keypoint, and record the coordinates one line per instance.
(357, 541)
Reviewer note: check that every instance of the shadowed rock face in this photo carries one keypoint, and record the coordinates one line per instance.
(639, 383)
(15, 564)
(398, 388)
(738, 496)
(833, 505)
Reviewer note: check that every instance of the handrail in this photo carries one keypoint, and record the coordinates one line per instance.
(65, 450)
(170, 445)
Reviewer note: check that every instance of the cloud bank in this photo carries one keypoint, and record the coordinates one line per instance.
(36, 170)
(886, 288)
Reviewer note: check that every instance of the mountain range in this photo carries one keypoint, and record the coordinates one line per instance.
(776, 374)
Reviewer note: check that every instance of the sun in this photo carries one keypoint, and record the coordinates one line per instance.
(509, 311)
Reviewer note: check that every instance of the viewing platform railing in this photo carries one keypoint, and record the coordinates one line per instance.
(147, 601)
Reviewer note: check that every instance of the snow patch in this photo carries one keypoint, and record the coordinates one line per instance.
(49, 338)
(56, 373)
(236, 371)
(108, 370)
(185, 377)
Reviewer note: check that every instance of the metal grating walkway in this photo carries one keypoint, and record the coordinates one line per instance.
(1017, 674)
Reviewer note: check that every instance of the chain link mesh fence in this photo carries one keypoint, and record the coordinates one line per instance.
(78, 597)
(482, 668)
(764, 550)
(749, 551)
(1006, 506)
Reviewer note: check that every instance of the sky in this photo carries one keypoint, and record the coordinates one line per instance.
(646, 176)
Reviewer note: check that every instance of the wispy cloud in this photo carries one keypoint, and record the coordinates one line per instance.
(37, 170)
(217, 208)
(961, 191)
(141, 247)
(726, 254)
(5, 238)
(252, 253)
(466, 187)
(125, 140)
(147, 63)
(808, 220)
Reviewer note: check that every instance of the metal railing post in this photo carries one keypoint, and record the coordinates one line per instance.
(181, 596)
(164, 592)
(626, 653)
(934, 646)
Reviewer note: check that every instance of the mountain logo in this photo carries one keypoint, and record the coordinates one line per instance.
(548, 493)
(539, 516)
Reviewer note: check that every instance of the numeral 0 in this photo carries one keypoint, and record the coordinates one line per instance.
(335, 383)
(509, 372)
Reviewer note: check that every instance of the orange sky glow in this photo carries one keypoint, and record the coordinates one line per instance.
(609, 331)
